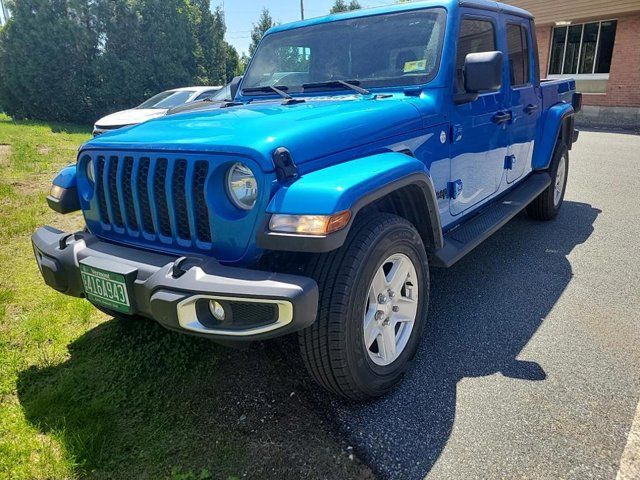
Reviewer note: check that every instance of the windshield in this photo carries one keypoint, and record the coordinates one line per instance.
(207, 95)
(168, 99)
(376, 51)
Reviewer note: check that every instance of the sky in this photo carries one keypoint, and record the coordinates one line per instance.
(241, 14)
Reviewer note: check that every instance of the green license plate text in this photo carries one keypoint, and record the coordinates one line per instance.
(106, 288)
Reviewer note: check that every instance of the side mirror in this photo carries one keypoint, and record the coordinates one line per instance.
(483, 72)
(233, 86)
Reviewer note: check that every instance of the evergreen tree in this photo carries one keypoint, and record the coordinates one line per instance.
(46, 55)
(265, 22)
(232, 63)
(215, 49)
(342, 6)
(244, 62)
(77, 60)
(168, 43)
(123, 70)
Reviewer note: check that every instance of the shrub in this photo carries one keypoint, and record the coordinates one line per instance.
(76, 60)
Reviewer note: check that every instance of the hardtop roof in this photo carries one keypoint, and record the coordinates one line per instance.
(450, 5)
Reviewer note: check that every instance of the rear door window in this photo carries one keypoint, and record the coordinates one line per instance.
(518, 49)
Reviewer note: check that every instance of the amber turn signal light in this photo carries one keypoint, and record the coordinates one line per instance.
(309, 224)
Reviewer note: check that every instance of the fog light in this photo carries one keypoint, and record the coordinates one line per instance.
(216, 310)
(309, 224)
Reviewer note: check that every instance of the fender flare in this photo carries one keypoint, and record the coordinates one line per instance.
(350, 186)
(66, 199)
(66, 178)
(557, 123)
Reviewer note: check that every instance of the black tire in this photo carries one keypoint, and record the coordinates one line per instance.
(333, 347)
(544, 207)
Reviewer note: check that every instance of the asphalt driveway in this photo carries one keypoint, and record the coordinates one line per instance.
(530, 368)
(531, 365)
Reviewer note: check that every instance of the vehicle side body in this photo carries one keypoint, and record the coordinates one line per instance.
(455, 166)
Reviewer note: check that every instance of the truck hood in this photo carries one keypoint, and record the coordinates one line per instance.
(310, 130)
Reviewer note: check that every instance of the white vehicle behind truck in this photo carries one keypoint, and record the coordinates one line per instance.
(156, 106)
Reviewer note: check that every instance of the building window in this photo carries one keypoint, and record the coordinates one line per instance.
(581, 49)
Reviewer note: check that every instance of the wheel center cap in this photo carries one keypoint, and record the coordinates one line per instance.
(391, 294)
(387, 309)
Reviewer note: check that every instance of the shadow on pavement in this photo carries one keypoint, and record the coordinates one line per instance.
(134, 400)
(484, 311)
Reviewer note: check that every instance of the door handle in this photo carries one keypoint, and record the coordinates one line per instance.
(501, 117)
(529, 109)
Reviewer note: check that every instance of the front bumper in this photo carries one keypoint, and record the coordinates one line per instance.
(168, 289)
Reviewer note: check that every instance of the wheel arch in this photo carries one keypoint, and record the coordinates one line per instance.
(411, 200)
(558, 126)
(390, 182)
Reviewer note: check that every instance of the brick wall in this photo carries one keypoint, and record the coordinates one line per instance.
(623, 86)
(543, 34)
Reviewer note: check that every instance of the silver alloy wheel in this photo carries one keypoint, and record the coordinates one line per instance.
(560, 178)
(391, 308)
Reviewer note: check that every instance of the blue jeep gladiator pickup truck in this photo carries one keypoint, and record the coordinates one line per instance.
(357, 152)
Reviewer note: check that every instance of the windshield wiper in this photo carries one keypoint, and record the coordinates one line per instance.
(353, 85)
(269, 88)
(280, 91)
(226, 103)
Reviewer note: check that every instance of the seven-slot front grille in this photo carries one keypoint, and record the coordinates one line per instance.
(154, 196)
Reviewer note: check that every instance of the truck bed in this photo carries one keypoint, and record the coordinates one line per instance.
(557, 91)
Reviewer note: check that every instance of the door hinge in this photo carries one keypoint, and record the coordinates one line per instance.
(455, 188)
(509, 162)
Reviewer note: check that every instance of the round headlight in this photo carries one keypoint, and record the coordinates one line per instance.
(91, 173)
(242, 186)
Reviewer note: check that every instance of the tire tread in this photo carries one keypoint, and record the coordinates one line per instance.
(543, 207)
(321, 344)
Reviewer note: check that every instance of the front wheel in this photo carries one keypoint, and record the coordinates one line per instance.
(374, 294)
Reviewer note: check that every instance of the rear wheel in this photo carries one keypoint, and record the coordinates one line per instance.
(374, 294)
(547, 205)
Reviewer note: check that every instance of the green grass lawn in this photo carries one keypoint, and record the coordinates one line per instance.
(87, 396)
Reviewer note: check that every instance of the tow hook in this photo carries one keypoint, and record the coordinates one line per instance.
(183, 264)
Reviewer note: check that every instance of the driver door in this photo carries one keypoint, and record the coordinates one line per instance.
(480, 137)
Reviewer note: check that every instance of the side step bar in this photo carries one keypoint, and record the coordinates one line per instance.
(468, 235)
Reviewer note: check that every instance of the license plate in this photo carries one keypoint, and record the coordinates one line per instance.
(106, 288)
